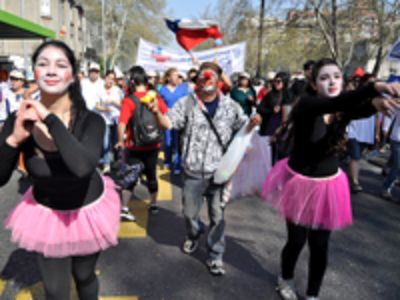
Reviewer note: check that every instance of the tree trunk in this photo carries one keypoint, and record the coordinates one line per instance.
(378, 61)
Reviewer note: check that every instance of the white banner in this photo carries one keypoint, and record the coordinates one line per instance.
(154, 57)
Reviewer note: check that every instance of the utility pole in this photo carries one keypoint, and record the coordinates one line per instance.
(103, 35)
(260, 37)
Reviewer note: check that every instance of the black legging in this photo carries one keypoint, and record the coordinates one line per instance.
(318, 241)
(149, 158)
(56, 276)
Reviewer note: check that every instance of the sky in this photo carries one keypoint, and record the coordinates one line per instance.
(193, 8)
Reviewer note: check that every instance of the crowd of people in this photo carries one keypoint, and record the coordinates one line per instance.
(67, 133)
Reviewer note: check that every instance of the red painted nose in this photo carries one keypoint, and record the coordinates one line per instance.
(207, 74)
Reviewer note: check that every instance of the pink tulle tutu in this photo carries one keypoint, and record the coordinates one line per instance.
(61, 233)
(249, 177)
(319, 203)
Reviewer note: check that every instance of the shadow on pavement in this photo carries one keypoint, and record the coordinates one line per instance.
(169, 229)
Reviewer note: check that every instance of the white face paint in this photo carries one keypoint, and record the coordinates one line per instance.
(53, 71)
(329, 82)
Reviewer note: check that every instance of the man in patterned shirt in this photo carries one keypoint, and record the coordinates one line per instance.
(203, 148)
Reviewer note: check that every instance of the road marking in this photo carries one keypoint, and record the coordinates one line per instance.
(136, 229)
(36, 292)
(119, 298)
(164, 185)
(2, 286)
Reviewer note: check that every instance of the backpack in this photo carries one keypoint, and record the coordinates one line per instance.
(145, 130)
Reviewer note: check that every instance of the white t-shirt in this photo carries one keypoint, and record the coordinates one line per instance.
(91, 91)
(110, 117)
(14, 100)
(3, 107)
(387, 122)
(362, 130)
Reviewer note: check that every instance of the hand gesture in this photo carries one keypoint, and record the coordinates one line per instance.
(40, 109)
(26, 117)
(153, 107)
(254, 121)
(119, 146)
(386, 105)
(392, 89)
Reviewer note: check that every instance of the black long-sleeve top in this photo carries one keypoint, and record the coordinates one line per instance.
(65, 179)
(271, 120)
(313, 140)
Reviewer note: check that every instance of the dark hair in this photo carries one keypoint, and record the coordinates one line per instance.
(285, 78)
(308, 64)
(193, 78)
(364, 79)
(336, 140)
(110, 72)
(74, 89)
(212, 66)
(137, 76)
(320, 64)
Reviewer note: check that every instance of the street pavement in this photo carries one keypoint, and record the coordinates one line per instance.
(364, 259)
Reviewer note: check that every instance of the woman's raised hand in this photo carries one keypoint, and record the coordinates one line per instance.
(386, 105)
(26, 117)
(391, 89)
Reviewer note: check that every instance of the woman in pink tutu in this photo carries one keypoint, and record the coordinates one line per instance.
(71, 213)
(308, 189)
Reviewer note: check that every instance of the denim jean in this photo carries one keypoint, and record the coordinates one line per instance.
(105, 155)
(195, 191)
(394, 167)
(172, 149)
(109, 141)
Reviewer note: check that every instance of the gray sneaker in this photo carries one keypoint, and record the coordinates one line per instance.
(385, 194)
(285, 289)
(189, 245)
(216, 267)
(126, 215)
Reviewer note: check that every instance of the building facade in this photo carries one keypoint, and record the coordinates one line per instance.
(65, 17)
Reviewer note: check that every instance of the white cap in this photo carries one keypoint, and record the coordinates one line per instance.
(182, 74)
(271, 75)
(118, 73)
(17, 74)
(151, 73)
(94, 66)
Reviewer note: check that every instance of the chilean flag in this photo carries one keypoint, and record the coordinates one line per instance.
(189, 33)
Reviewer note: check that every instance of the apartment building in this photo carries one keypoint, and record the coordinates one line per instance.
(65, 19)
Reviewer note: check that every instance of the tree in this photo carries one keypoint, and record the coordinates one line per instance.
(387, 28)
(125, 22)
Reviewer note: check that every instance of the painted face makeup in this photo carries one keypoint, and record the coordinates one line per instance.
(53, 71)
(208, 81)
(329, 82)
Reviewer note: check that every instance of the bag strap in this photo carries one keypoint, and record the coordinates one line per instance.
(134, 99)
(223, 146)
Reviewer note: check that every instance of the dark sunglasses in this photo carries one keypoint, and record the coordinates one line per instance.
(15, 78)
